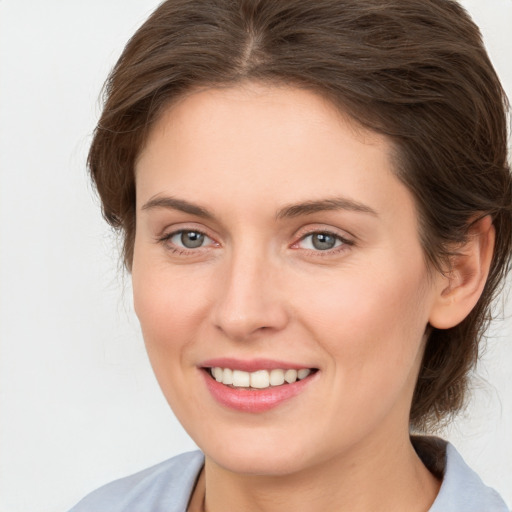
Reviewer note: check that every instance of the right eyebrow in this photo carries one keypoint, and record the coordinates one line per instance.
(181, 205)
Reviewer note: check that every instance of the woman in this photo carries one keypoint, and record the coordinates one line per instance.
(317, 212)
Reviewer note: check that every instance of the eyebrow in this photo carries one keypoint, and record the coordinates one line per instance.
(177, 204)
(291, 211)
(336, 203)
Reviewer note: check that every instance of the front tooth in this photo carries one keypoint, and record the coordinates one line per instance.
(290, 376)
(217, 374)
(276, 377)
(260, 379)
(227, 377)
(241, 379)
(303, 373)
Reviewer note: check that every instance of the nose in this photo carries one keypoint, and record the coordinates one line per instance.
(250, 299)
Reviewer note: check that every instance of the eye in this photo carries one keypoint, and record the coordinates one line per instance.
(189, 239)
(321, 241)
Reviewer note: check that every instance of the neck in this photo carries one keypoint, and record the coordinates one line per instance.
(379, 476)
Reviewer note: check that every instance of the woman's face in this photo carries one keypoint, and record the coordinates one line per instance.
(273, 236)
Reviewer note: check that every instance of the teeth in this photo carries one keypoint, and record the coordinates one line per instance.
(290, 376)
(227, 376)
(276, 377)
(217, 374)
(260, 379)
(303, 373)
(241, 379)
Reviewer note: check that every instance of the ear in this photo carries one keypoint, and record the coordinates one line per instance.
(459, 290)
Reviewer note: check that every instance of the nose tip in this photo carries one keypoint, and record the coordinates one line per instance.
(249, 303)
(239, 326)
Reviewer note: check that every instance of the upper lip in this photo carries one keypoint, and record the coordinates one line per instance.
(251, 365)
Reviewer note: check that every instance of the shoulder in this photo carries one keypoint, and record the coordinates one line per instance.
(462, 490)
(164, 487)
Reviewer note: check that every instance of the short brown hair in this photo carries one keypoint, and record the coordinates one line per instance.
(414, 70)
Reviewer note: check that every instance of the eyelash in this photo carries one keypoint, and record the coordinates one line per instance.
(166, 241)
(343, 246)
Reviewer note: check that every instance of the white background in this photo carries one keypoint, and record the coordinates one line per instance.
(79, 404)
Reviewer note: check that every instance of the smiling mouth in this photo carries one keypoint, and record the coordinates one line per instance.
(260, 379)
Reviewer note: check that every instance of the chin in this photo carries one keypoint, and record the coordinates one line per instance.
(250, 463)
(258, 455)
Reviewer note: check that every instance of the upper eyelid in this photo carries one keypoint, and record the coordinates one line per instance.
(340, 233)
(330, 233)
(169, 231)
(166, 241)
(171, 234)
(344, 241)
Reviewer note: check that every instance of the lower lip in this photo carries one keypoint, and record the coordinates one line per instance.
(257, 400)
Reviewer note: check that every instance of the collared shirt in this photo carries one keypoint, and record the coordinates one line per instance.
(167, 487)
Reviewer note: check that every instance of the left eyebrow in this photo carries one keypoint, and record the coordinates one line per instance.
(336, 203)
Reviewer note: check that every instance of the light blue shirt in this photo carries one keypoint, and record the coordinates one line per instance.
(167, 487)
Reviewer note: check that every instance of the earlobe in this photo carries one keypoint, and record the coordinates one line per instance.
(460, 289)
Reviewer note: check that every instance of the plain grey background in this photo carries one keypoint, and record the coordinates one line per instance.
(79, 405)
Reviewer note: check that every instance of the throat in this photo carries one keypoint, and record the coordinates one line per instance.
(340, 485)
(197, 499)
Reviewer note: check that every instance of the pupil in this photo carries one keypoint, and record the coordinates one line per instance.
(192, 239)
(323, 241)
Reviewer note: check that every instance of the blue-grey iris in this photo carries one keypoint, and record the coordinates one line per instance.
(192, 239)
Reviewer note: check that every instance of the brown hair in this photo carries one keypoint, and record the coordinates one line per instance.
(414, 70)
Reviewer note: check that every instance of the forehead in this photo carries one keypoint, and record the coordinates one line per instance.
(284, 144)
(253, 102)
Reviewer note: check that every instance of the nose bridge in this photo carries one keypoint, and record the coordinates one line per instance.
(248, 300)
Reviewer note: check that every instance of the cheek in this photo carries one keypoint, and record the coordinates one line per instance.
(372, 331)
(168, 308)
(168, 305)
(366, 320)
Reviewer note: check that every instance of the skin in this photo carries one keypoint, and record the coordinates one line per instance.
(258, 288)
